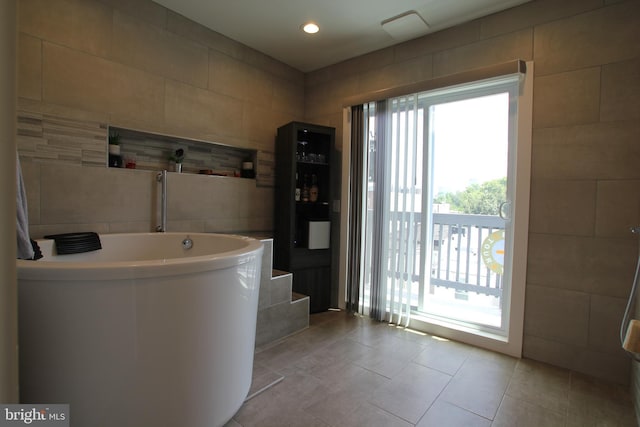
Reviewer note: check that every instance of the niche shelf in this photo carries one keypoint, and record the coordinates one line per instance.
(151, 152)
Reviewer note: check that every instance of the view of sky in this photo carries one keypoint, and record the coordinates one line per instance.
(470, 142)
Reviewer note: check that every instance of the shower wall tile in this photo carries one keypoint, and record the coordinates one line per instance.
(567, 99)
(257, 124)
(239, 80)
(516, 45)
(534, 13)
(602, 266)
(157, 51)
(74, 194)
(187, 106)
(618, 207)
(549, 351)
(148, 11)
(410, 71)
(78, 24)
(449, 38)
(605, 316)
(614, 368)
(66, 82)
(558, 315)
(557, 261)
(620, 99)
(610, 265)
(29, 67)
(591, 151)
(589, 39)
(564, 207)
(182, 26)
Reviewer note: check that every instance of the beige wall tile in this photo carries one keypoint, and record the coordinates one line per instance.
(533, 13)
(328, 98)
(82, 81)
(557, 315)
(563, 207)
(180, 25)
(618, 208)
(602, 266)
(592, 151)
(234, 78)
(609, 266)
(517, 45)
(603, 36)
(609, 367)
(550, 351)
(350, 67)
(567, 98)
(158, 51)
(146, 10)
(29, 67)
(446, 39)
(397, 74)
(288, 97)
(557, 261)
(188, 106)
(605, 316)
(620, 99)
(74, 194)
(260, 125)
(79, 24)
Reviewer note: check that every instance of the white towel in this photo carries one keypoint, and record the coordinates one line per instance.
(25, 249)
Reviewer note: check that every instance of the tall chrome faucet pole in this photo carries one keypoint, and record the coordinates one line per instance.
(162, 178)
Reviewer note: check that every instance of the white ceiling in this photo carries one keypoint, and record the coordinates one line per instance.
(348, 28)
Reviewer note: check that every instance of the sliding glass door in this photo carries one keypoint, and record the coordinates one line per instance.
(440, 180)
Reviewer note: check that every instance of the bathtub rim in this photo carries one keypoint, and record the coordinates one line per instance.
(125, 270)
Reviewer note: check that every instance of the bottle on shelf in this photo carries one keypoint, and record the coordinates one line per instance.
(298, 191)
(313, 191)
(305, 189)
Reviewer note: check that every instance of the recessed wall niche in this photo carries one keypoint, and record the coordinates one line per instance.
(149, 151)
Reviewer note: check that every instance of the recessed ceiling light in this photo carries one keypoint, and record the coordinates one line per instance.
(310, 28)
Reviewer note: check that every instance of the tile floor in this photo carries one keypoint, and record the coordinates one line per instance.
(351, 371)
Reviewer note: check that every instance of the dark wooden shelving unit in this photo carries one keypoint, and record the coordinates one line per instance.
(302, 228)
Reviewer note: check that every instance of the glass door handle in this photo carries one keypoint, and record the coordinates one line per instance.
(505, 214)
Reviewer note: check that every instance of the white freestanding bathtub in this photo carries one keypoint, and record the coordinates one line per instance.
(143, 332)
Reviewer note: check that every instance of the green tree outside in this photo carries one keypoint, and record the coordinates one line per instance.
(478, 199)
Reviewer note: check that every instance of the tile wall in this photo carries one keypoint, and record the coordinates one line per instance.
(84, 65)
(137, 65)
(585, 186)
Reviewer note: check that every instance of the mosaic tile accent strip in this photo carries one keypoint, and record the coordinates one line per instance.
(266, 169)
(51, 139)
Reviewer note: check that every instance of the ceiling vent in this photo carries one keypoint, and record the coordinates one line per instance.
(406, 26)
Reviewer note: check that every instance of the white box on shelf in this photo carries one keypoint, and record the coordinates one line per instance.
(319, 234)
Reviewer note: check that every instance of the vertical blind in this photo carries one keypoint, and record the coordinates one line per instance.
(390, 156)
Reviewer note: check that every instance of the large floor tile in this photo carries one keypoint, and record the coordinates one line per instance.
(411, 392)
(518, 413)
(347, 370)
(445, 414)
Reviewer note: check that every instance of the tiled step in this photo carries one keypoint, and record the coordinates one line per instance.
(296, 296)
(281, 312)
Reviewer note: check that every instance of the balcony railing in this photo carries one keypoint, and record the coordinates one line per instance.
(456, 259)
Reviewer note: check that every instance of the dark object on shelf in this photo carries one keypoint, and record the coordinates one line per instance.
(75, 243)
(115, 161)
(302, 223)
